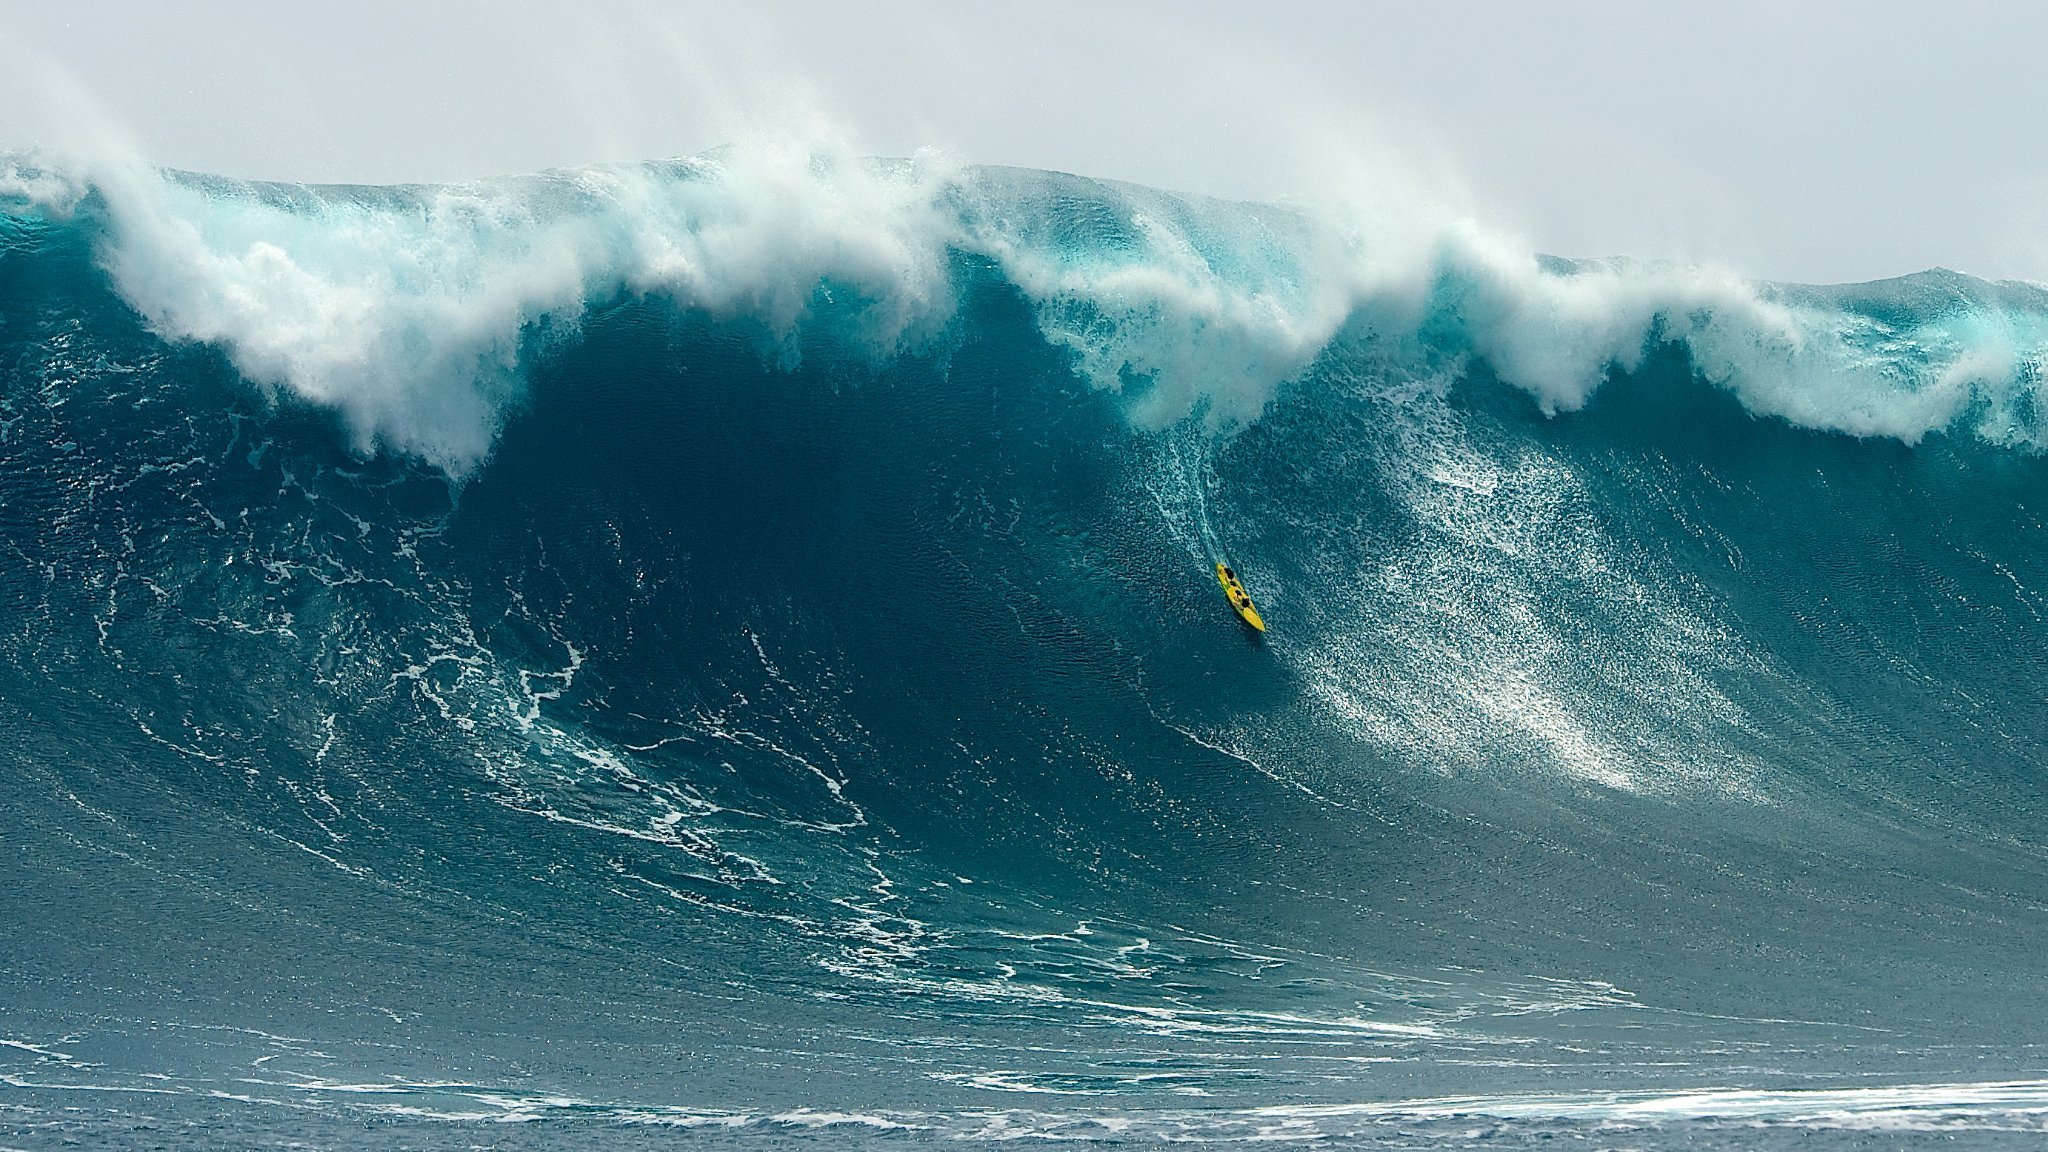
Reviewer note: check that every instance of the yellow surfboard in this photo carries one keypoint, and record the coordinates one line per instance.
(1239, 599)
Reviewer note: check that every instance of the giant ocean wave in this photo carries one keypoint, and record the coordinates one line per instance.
(728, 645)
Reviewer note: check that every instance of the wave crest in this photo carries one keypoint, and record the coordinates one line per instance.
(409, 310)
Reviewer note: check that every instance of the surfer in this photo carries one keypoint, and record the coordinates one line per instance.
(1240, 600)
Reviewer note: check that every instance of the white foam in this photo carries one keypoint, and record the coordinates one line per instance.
(29, 180)
(407, 310)
(1894, 1105)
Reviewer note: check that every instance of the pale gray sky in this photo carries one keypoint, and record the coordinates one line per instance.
(1815, 141)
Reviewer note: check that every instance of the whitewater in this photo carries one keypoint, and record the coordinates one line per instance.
(723, 651)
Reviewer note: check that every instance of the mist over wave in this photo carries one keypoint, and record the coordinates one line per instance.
(731, 645)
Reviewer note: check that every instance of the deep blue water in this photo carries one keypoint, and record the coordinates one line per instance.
(726, 653)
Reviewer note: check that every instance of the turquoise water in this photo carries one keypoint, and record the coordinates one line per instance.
(726, 652)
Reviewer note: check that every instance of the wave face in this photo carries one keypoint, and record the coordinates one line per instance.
(729, 646)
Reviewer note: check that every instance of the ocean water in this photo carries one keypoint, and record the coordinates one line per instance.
(724, 653)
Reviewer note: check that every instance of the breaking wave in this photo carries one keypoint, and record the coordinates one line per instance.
(731, 643)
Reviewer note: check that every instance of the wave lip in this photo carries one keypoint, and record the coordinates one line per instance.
(410, 310)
